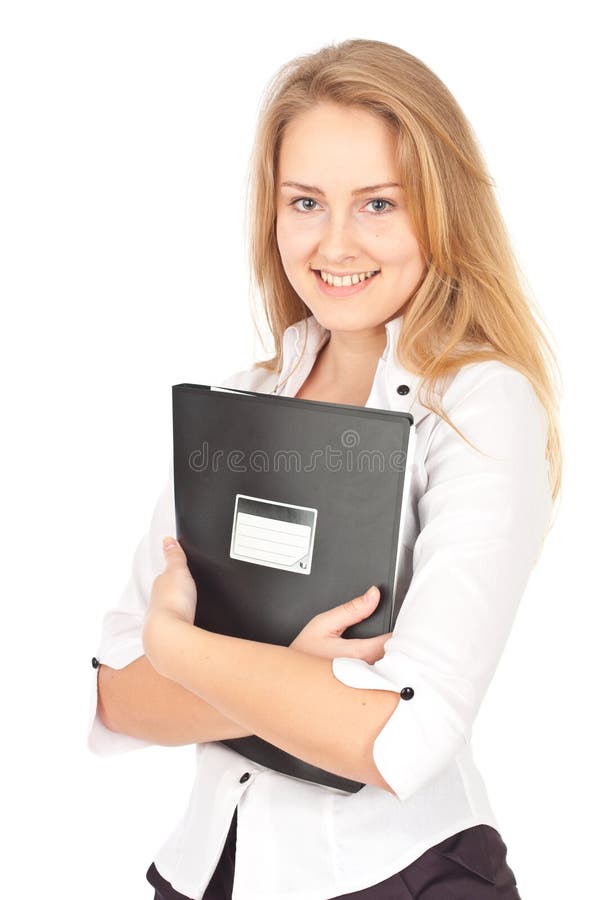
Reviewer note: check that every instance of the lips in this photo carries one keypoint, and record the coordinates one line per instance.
(345, 290)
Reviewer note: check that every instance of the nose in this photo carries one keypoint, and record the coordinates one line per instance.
(337, 240)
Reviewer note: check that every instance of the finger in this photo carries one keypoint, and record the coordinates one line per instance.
(374, 643)
(337, 619)
(362, 606)
(369, 649)
(173, 552)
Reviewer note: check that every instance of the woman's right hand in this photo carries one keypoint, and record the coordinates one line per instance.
(322, 635)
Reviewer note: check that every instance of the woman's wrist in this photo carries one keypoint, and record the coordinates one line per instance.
(162, 634)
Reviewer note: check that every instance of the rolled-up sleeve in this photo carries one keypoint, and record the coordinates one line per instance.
(482, 520)
(121, 641)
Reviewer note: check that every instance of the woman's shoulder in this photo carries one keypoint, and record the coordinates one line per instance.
(494, 401)
(490, 376)
(253, 378)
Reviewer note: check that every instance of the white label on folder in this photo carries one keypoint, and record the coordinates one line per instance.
(274, 534)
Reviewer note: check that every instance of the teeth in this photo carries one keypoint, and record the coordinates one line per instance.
(345, 280)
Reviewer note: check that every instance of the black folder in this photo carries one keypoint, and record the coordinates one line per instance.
(285, 508)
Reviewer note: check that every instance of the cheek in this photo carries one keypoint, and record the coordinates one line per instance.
(292, 240)
(402, 250)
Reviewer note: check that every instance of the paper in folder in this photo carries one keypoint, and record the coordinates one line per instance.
(286, 508)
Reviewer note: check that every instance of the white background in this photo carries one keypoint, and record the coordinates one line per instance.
(127, 129)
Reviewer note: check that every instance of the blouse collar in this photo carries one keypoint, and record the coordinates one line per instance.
(401, 384)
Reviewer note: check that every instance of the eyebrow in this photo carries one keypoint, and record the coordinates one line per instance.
(315, 190)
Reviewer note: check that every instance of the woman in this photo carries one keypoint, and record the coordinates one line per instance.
(363, 163)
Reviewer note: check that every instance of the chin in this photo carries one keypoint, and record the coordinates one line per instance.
(346, 319)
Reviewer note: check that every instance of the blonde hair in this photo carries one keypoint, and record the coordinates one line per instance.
(471, 305)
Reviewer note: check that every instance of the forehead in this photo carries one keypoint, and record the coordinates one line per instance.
(329, 139)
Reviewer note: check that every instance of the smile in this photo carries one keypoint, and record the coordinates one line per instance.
(334, 286)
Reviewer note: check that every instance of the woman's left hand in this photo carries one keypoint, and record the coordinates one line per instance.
(174, 590)
(173, 601)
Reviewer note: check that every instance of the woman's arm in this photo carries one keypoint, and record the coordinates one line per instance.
(397, 723)
(288, 697)
(137, 701)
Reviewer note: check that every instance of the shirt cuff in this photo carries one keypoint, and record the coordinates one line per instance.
(423, 734)
(100, 740)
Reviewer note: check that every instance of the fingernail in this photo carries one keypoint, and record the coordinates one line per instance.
(169, 542)
(371, 593)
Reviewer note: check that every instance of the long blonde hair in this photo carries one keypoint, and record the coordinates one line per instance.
(471, 305)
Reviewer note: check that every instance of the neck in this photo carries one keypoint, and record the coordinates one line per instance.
(347, 356)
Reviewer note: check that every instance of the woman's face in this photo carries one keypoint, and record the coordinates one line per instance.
(330, 220)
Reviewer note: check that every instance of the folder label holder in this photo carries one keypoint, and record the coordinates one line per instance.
(272, 533)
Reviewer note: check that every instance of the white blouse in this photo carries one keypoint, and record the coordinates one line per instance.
(473, 530)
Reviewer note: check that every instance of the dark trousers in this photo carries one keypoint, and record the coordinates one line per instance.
(470, 865)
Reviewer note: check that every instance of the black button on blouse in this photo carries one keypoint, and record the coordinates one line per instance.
(407, 693)
(403, 389)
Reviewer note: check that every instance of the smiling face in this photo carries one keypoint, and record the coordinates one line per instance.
(331, 221)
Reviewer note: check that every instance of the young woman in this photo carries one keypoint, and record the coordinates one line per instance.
(388, 281)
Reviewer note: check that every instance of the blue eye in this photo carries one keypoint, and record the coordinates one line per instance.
(382, 200)
(302, 199)
(378, 212)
